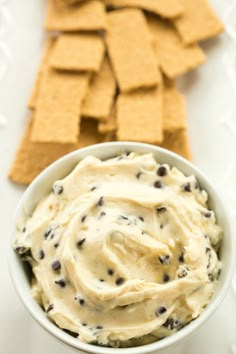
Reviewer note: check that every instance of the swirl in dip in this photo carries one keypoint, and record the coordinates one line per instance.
(123, 251)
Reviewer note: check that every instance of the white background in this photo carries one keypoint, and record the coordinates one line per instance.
(211, 99)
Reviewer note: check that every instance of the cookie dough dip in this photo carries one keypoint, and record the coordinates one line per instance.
(124, 251)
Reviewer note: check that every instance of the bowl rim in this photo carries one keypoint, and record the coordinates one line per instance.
(74, 343)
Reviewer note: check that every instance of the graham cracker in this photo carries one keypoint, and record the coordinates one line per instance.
(174, 108)
(88, 16)
(69, 2)
(99, 99)
(108, 126)
(139, 116)
(130, 50)
(174, 57)
(177, 142)
(32, 158)
(44, 61)
(165, 8)
(198, 21)
(80, 52)
(58, 106)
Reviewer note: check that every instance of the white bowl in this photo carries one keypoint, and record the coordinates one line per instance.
(41, 186)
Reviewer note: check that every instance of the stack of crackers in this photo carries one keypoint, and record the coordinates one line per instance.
(108, 73)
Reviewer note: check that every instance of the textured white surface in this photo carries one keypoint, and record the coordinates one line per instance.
(211, 96)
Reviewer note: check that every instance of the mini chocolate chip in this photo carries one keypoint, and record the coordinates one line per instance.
(124, 217)
(143, 232)
(101, 280)
(166, 278)
(56, 265)
(165, 260)
(207, 214)
(83, 218)
(84, 324)
(56, 245)
(181, 258)
(186, 187)
(41, 254)
(61, 283)
(171, 323)
(21, 250)
(161, 226)
(208, 249)
(99, 327)
(50, 308)
(141, 218)
(138, 175)
(161, 210)
(162, 171)
(120, 281)
(81, 242)
(160, 310)
(128, 153)
(93, 189)
(100, 202)
(47, 233)
(110, 271)
(102, 214)
(24, 229)
(82, 302)
(57, 189)
(158, 184)
(52, 235)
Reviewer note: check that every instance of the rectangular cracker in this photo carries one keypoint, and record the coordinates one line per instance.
(79, 52)
(44, 61)
(58, 106)
(32, 158)
(178, 142)
(164, 8)
(173, 56)
(139, 116)
(108, 126)
(88, 16)
(174, 108)
(198, 22)
(130, 50)
(99, 99)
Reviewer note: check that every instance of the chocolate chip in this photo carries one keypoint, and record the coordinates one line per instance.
(207, 214)
(171, 323)
(41, 254)
(24, 229)
(181, 258)
(83, 218)
(61, 283)
(138, 175)
(128, 153)
(56, 265)
(165, 260)
(124, 217)
(161, 226)
(101, 280)
(120, 281)
(208, 249)
(161, 210)
(186, 187)
(82, 302)
(47, 233)
(93, 189)
(102, 214)
(166, 278)
(57, 189)
(99, 327)
(21, 250)
(110, 271)
(158, 184)
(160, 310)
(50, 308)
(162, 171)
(84, 324)
(56, 245)
(141, 218)
(100, 202)
(81, 242)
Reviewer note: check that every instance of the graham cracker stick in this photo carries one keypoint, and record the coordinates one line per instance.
(80, 52)
(198, 21)
(88, 16)
(139, 116)
(165, 8)
(99, 99)
(44, 61)
(130, 50)
(177, 142)
(58, 106)
(174, 110)
(173, 56)
(32, 158)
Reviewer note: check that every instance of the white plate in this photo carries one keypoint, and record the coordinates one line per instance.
(211, 96)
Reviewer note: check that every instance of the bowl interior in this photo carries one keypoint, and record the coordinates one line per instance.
(59, 169)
